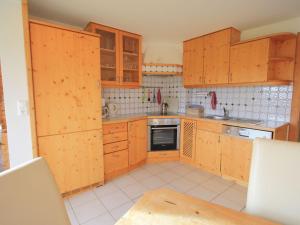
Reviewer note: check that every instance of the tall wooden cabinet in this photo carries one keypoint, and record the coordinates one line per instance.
(206, 58)
(137, 136)
(121, 56)
(66, 78)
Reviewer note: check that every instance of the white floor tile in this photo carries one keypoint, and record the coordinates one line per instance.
(202, 193)
(71, 214)
(235, 195)
(134, 190)
(114, 200)
(183, 184)
(106, 189)
(169, 165)
(216, 186)
(89, 211)
(117, 213)
(152, 182)
(140, 174)
(197, 177)
(154, 168)
(105, 219)
(124, 181)
(180, 170)
(168, 176)
(82, 198)
(220, 200)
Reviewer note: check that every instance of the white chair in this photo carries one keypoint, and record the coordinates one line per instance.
(29, 196)
(274, 182)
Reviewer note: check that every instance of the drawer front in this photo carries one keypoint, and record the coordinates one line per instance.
(209, 126)
(114, 147)
(114, 128)
(115, 161)
(111, 138)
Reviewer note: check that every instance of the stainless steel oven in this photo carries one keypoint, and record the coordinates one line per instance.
(163, 134)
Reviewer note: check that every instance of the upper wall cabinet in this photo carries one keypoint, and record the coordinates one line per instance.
(265, 60)
(121, 58)
(206, 58)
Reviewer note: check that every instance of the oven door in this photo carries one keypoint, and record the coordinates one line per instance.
(163, 137)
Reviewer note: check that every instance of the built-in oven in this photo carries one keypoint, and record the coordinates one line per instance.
(163, 134)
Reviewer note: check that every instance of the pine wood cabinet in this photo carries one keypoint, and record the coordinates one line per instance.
(115, 145)
(208, 152)
(264, 60)
(137, 135)
(75, 159)
(188, 140)
(193, 60)
(236, 157)
(67, 95)
(206, 58)
(121, 56)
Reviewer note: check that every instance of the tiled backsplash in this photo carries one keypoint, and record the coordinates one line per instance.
(261, 102)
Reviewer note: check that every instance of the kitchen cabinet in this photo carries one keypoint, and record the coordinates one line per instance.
(121, 56)
(188, 140)
(67, 95)
(137, 135)
(235, 157)
(263, 60)
(115, 147)
(208, 152)
(206, 58)
(75, 159)
(193, 60)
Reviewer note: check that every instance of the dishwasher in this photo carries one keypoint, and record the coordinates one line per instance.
(249, 133)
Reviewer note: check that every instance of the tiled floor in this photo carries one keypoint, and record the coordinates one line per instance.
(106, 204)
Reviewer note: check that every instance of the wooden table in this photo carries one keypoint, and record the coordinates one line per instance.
(166, 207)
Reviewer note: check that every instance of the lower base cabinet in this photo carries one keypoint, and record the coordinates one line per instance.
(75, 159)
(235, 157)
(208, 152)
(116, 161)
(137, 141)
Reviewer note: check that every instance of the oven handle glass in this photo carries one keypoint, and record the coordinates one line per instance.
(164, 128)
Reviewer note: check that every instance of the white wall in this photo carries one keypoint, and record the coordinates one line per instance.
(13, 62)
(162, 52)
(291, 25)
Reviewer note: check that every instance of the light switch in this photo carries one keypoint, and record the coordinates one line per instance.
(22, 107)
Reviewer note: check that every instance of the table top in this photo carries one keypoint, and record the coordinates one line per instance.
(166, 207)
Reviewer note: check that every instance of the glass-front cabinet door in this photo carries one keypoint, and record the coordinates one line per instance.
(130, 59)
(109, 55)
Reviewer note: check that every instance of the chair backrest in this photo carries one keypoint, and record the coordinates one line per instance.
(274, 182)
(29, 196)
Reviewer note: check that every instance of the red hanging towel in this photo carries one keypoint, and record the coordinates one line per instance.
(213, 100)
(158, 97)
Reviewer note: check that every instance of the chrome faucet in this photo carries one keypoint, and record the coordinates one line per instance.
(226, 112)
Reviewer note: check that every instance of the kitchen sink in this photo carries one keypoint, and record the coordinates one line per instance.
(235, 119)
(215, 117)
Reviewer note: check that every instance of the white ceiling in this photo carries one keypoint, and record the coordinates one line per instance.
(167, 20)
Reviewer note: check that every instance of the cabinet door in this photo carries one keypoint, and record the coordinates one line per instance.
(130, 59)
(236, 157)
(208, 154)
(66, 78)
(193, 62)
(116, 161)
(110, 59)
(137, 134)
(216, 57)
(188, 140)
(76, 160)
(249, 62)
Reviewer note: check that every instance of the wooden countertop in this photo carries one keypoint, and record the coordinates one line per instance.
(167, 207)
(268, 126)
